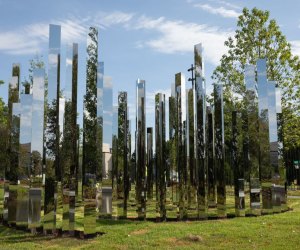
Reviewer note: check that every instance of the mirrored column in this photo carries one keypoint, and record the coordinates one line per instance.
(115, 162)
(200, 125)
(14, 164)
(92, 133)
(211, 173)
(69, 164)
(13, 128)
(265, 166)
(24, 160)
(37, 150)
(251, 139)
(219, 150)
(274, 146)
(140, 148)
(106, 210)
(236, 159)
(171, 172)
(52, 170)
(192, 205)
(160, 158)
(122, 172)
(180, 150)
(150, 178)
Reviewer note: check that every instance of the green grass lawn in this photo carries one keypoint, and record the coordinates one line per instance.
(278, 231)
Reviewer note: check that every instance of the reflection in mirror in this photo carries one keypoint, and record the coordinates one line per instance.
(192, 206)
(24, 160)
(106, 210)
(151, 189)
(37, 150)
(92, 134)
(251, 138)
(200, 124)
(68, 154)
(115, 162)
(179, 178)
(211, 178)
(140, 148)
(236, 160)
(122, 172)
(13, 171)
(13, 127)
(160, 157)
(171, 172)
(266, 171)
(52, 171)
(219, 150)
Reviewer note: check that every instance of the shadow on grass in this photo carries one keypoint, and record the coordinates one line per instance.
(11, 235)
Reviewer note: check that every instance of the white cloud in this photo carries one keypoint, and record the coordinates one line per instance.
(14, 43)
(180, 37)
(230, 5)
(29, 39)
(295, 45)
(108, 19)
(170, 36)
(227, 13)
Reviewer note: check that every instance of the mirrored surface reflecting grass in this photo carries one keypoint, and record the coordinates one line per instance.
(278, 231)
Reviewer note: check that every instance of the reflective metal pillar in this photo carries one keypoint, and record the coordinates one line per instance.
(69, 164)
(52, 170)
(140, 148)
(266, 171)
(92, 135)
(160, 157)
(219, 150)
(251, 139)
(200, 125)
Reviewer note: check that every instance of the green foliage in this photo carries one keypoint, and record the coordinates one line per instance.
(35, 63)
(259, 37)
(3, 136)
(92, 127)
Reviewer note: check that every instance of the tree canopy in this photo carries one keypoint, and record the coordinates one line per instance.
(258, 36)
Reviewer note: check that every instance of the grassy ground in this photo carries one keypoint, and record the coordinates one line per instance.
(278, 231)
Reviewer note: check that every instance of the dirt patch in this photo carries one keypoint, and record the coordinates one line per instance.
(139, 232)
(177, 242)
(193, 238)
(185, 241)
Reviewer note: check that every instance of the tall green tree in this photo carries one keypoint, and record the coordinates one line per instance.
(35, 63)
(258, 36)
(3, 135)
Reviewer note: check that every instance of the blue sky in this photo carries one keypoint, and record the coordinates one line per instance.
(151, 40)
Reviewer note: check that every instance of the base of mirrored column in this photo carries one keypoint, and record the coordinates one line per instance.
(266, 191)
(65, 207)
(240, 199)
(89, 220)
(12, 204)
(35, 206)
(255, 207)
(221, 202)
(5, 201)
(202, 209)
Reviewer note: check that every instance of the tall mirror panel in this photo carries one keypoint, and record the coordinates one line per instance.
(140, 148)
(219, 150)
(264, 144)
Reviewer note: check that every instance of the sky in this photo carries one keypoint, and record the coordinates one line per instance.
(151, 40)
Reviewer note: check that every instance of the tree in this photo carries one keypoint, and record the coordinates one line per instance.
(3, 135)
(35, 63)
(259, 37)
